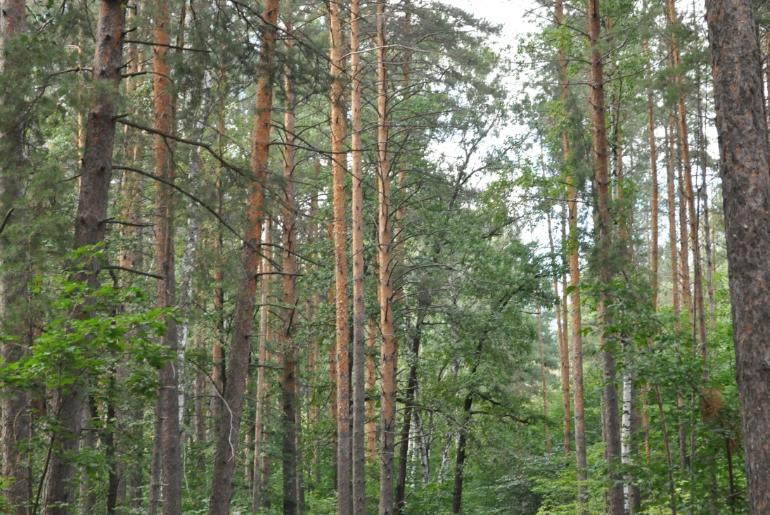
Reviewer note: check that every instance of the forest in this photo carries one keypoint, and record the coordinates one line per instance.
(383, 256)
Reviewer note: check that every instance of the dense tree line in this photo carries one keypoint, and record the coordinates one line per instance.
(357, 257)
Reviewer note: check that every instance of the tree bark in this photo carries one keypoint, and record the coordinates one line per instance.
(563, 351)
(389, 351)
(168, 393)
(359, 315)
(604, 243)
(290, 298)
(89, 230)
(743, 145)
(237, 369)
(699, 319)
(15, 273)
(371, 391)
(339, 172)
(257, 489)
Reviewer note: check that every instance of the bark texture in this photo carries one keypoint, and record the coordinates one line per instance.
(743, 146)
(339, 172)
(96, 172)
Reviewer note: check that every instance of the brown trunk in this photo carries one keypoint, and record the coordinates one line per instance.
(699, 319)
(371, 391)
(217, 349)
(262, 363)
(462, 438)
(743, 145)
(290, 299)
(237, 370)
(15, 312)
(89, 230)
(604, 244)
(389, 352)
(168, 393)
(563, 350)
(573, 248)
(359, 316)
(339, 172)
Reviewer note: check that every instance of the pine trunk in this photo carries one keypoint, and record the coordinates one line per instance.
(339, 173)
(389, 351)
(237, 369)
(743, 145)
(89, 230)
(359, 316)
(168, 393)
(290, 299)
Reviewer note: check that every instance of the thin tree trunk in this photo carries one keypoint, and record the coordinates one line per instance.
(359, 315)
(699, 319)
(168, 394)
(339, 160)
(563, 351)
(237, 370)
(743, 145)
(385, 260)
(258, 483)
(462, 439)
(604, 242)
(290, 299)
(89, 230)
(574, 269)
(371, 391)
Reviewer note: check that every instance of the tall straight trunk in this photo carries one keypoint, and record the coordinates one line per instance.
(462, 441)
(699, 319)
(410, 394)
(314, 352)
(743, 145)
(339, 172)
(563, 349)
(217, 348)
(89, 230)
(543, 382)
(703, 145)
(675, 278)
(371, 391)
(15, 275)
(290, 299)
(604, 243)
(237, 369)
(573, 248)
(389, 351)
(168, 393)
(359, 315)
(257, 488)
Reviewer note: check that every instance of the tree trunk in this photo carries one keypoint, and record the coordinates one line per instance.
(563, 353)
(743, 145)
(237, 370)
(257, 489)
(290, 299)
(389, 352)
(359, 315)
(699, 319)
(462, 438)
(371, 391)
(339, 172)
(574, 272)
(604, 243)
(15, 314)
(168, 394)
(89, 230)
